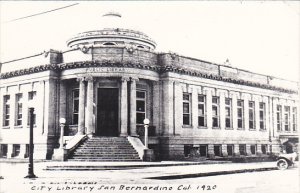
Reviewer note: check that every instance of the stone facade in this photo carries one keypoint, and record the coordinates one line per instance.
(196, 108)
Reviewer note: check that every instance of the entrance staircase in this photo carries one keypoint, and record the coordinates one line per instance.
(105, 149)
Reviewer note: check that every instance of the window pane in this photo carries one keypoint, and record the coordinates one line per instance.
(215, 122)
(215, 100)
(76, 106)
(251, 125)
(140, 106)
(227, 101)
(200, 98)
(75, 119)
(201, 109)
(251, 104)
(261, 125)
(186, 97)
(227, 109)
(215, 111)
(140, 94)
(140, 118)
(186, 119)
(240, 123)
(251, 114)
(201, 121)
(186, 108)
(76, 93)
(240, 112)
(228, 123)
(261, 115)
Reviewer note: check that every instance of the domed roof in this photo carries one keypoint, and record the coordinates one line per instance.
(112, 35)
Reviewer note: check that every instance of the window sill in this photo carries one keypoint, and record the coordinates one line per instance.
(28, 126)
(202, 127)
(5, 127)
(240, 129)
(216, 128)
(187, 126)
(228, 128)
(263, 130)
(18, 126)
(252, 129)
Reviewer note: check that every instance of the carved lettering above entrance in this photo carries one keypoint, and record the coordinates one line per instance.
(105, 69)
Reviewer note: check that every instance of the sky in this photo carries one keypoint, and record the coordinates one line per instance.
(260, 36)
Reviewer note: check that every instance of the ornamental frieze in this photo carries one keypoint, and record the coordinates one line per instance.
(120, 67)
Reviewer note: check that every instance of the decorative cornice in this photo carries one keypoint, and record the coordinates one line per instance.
(128, 64)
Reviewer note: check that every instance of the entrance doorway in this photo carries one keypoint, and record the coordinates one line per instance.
(107, 112)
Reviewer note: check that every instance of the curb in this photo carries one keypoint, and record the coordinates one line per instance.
(122, 167)
(181, 176)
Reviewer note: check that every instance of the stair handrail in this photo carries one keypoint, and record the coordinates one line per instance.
(72, 144)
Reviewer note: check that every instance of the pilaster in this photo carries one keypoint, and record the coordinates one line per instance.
(236, 150)
(156, 107)
(233, 96)
(211, 153)
(224, 150)
(221, 94)
(167, 107)
(208, 93)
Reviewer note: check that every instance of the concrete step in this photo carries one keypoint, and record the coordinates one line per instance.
(105, 149)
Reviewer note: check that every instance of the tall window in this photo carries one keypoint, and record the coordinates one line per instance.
(294, 117)
(287, 118)
(31, 97)
(240, 114)
(75, 110)
(6, 110)
(262, 115)
(279, 117)
(251, 115)
(201, 110)
(228, 112)
(186, 109)
(215, 111)
(140, 106)
(19, 107)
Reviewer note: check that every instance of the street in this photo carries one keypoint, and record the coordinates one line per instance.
(138, 180)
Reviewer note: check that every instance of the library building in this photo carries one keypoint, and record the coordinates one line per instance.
(90, 102)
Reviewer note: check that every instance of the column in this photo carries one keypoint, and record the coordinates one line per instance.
(234, 109)
(224, 150)
(90, 126)
(40, 112)
(81, 125)
(208, 93)
(124, 106)
(133, 107)
(267, 115)
(236, 150)
(222, 110)
(62, 100)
